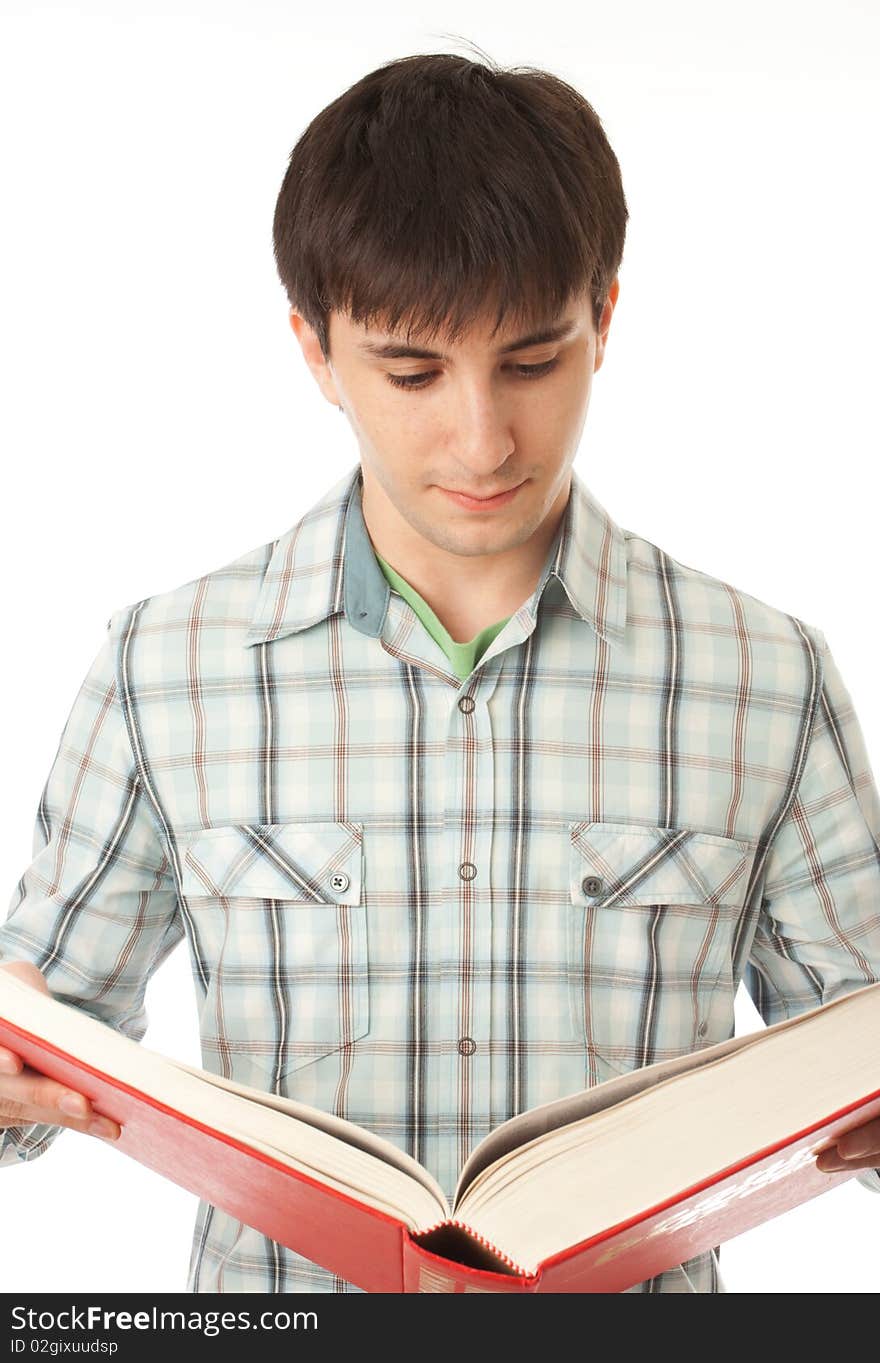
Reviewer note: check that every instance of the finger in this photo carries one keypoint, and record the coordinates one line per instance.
(76, 1105)
(847, 1166)
(24, 1114)
(33, 1089)
(829, 1161)
(83, 1118)
(10, 1063)
(28, 972)
(74, 1108)
(56, 1103)
(861, 1140)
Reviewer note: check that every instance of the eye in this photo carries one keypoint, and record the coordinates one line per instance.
(416, 381)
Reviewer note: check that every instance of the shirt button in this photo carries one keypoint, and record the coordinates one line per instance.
(339, 881)
(592, 886)
(467, 870)
(467, 1045)
(466, 704)
(703, 1028)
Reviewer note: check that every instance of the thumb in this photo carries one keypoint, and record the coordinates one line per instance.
(27, 973)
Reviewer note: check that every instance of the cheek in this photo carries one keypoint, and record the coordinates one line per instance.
(550, 425)
(407, 437)
(572, 406)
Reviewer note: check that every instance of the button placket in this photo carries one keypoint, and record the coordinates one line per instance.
(473, 780)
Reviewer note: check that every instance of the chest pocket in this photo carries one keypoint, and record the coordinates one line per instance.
(654, 913)
(279, 918)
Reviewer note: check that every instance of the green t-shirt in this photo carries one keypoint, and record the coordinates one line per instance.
(463, 657)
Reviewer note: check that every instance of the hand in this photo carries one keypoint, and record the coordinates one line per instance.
(858, 1149)
(27, 1096)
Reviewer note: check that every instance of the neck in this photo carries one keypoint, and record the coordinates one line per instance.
(467, 592)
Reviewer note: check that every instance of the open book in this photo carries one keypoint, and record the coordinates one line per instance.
(592, 1192)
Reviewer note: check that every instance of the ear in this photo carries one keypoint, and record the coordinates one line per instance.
(605, 321)
(314, 356)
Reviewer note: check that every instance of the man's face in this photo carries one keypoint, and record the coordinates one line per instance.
(484, 415)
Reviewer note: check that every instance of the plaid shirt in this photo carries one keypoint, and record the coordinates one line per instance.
(426, 903)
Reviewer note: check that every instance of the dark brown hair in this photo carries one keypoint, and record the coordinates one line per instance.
(436, 185)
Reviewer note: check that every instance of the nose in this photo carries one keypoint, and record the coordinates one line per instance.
(480, 434)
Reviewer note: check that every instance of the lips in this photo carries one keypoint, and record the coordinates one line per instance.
(471, 503)
(479, 497)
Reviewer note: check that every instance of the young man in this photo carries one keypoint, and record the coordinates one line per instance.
(463, 797)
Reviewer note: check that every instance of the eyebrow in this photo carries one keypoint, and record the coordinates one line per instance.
(395, 350)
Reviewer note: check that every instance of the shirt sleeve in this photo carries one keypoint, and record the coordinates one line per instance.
(96, 910)
(818, 933)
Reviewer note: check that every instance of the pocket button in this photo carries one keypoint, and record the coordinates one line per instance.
(339, 882)
(592, 886)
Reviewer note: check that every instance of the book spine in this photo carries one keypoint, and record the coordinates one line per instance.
(451, 1257)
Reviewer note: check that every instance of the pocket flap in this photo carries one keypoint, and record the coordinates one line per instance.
(618, 864)
(316, 863)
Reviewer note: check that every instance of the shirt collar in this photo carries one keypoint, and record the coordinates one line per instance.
(326, 564)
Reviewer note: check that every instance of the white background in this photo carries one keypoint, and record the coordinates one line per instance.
(158, 419)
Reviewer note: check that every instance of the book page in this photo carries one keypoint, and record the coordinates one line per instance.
(539, 1121)
(354, 1135)
(341, 1154)
(648, 1149)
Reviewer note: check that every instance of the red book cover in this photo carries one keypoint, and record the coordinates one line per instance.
(379, 1253)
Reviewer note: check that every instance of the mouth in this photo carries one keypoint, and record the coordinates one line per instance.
(482, 503)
